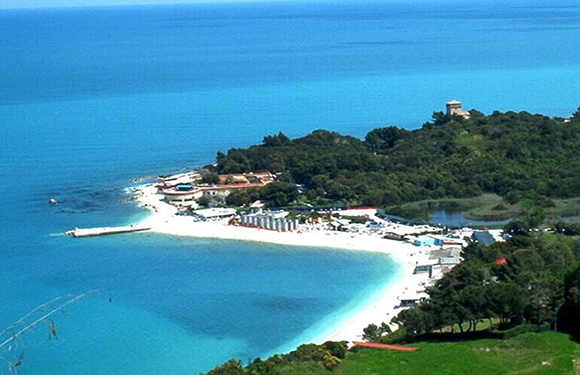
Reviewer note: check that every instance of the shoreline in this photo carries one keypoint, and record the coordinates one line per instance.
(379, 306)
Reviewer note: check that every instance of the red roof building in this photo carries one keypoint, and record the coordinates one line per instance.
(501, 261)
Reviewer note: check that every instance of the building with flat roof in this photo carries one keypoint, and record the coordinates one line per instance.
(454, 108)
(215, 213)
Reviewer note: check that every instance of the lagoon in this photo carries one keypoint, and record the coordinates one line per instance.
(458, 219)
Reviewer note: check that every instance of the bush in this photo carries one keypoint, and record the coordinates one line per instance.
(337, 349)
(331, 362)
(374, 333)
(231, 367)
(210, 178)
(519, 330)
(399, 336)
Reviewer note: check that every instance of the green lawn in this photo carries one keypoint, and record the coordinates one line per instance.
(531, 353)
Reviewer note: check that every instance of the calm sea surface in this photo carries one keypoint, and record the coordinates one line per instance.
(90, 98)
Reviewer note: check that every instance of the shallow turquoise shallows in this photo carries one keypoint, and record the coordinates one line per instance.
(91, 98)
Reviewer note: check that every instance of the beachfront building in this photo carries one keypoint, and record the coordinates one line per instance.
(442, 240)
(215, 213)
(184, 190)
(394, 236)
(339, 224)
(424, 241)
(424, 268)
(183, 195)
(412, 298)
(439, 262)
(454, 108)
(217, 191)
(268, 221)
(178, 179)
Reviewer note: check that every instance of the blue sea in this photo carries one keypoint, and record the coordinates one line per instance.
(91, 98)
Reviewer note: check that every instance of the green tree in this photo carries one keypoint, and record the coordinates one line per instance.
(415, 321)
(475, 299)
(384, 138)
(204, 201)
(279, 194)
(231, 367)
(276, 140)
(374, 333)
(210, 178)
(570, 311)
(508, 301)
(338, 349)
(243, 197)
(576, 115)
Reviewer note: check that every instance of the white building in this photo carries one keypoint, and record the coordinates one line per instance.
(454, 108)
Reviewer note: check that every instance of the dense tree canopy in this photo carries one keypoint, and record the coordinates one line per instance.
(538, 282)
(518, 156)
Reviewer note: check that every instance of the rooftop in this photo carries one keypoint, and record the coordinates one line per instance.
(484, 238)
(215, 212)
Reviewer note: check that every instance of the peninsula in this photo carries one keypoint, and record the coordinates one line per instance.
(336, 191)
(324, 190)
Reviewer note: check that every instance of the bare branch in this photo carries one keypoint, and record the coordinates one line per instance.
(71, 299)
(43, 313)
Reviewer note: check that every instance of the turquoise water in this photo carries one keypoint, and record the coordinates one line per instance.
(90, 98)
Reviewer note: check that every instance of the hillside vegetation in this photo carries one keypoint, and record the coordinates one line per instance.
(532, 353)
(546, 353)
(517, 156)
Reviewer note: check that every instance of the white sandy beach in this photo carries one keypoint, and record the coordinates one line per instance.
(382, 309)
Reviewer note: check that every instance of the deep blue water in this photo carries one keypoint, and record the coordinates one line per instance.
(90, 98)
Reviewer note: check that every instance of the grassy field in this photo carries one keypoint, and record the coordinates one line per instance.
(531, 353)
(486, 207)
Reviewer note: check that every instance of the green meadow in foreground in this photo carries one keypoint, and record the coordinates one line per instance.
(531, 353)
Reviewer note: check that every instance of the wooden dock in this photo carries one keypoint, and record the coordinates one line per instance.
(91, 232)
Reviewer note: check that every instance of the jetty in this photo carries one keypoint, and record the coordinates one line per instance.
(91, 232)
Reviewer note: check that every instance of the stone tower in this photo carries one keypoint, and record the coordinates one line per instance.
(454, 109)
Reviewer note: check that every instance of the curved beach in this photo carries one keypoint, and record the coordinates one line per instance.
(382, 306)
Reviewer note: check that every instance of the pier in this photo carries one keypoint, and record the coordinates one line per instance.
(91, 232)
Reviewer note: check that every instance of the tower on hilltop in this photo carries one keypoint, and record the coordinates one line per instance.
(454, 109)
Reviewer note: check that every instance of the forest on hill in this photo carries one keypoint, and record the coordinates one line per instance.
(518, 156)
(533, 278)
